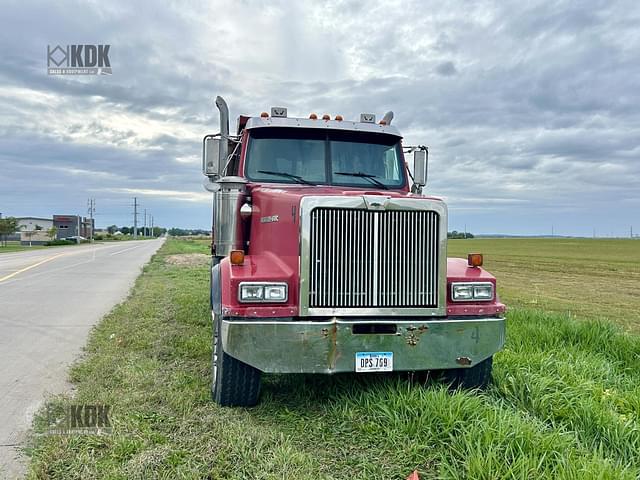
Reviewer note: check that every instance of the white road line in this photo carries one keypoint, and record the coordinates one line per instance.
(125, 250)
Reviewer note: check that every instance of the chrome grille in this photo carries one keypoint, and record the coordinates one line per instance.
(364, 258)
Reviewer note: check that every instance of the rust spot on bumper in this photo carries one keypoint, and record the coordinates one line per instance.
(463, 361)
(412, 337)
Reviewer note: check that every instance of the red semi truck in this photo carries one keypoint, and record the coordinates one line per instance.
(327, 257)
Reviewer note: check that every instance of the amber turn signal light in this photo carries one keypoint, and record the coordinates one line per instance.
(264, 115)
(236, 257)
(474, 259)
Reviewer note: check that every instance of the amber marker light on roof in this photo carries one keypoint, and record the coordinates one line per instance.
(313, 116)
(475, 259)
(339, 118)
(264, 115)
(326, 117)
(236, 257)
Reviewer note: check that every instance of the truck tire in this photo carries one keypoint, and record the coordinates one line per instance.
(234, 383)
(478, 376)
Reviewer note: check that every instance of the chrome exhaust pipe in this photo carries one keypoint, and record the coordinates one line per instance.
(224, 134)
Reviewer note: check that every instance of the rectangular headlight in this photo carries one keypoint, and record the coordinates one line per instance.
(251, 293)
(468, 292)
(462, 292)
(483, 292)
(275, 293)
(259, 292)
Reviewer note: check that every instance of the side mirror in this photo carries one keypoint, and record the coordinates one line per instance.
(420, 166)
(211, 156)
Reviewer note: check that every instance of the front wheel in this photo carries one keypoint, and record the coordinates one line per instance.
(477, 376)
(234, 383)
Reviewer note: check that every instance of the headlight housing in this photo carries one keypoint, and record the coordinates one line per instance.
(263, 292)
(472, 291)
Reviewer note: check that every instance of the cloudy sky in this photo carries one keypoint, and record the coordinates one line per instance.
(531, 109)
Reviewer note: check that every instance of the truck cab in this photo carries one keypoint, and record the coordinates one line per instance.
(327, 257)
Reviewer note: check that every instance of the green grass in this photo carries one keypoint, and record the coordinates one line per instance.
(565, 404)
(582, 278)
(14, 246)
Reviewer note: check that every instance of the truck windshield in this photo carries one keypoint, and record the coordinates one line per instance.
(286, 155)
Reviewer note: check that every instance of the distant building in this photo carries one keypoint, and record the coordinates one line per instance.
(73, 225)
(33, 230)
(34, 223)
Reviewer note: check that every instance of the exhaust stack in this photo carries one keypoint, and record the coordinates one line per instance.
(224, 134)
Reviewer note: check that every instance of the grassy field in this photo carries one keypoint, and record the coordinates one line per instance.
(565, 402)
(582, 278)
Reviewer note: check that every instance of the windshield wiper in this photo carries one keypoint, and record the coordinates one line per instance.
(297, 178)
(372, 178)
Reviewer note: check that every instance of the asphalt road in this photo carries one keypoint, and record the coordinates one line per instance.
(49, 300)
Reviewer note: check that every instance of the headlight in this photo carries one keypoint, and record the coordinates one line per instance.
(257, 292)
(468, 292)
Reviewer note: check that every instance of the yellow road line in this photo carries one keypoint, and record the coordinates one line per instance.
(7, 277)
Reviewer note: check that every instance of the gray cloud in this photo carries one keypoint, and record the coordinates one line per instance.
(446, 69)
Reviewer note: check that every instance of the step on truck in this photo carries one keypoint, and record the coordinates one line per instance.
(327, 257)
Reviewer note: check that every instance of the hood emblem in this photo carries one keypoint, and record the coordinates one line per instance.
(376, 202)
(270, 219)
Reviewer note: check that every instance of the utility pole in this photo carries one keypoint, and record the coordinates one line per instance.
(91, 210)
(78, 233)
(631, 229)
(552, 230)
(135, 217)
(152, 231)
(144, 230)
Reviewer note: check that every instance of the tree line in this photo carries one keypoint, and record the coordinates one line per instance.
(457, 234)
(152, 232)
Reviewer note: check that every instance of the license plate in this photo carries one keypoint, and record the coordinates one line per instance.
(374, 361)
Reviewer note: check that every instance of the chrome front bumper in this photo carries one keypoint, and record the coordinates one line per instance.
(331, 346)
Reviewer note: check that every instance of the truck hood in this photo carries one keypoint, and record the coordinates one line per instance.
(299, 191)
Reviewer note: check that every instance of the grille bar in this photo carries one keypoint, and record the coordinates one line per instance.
(364, 258)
